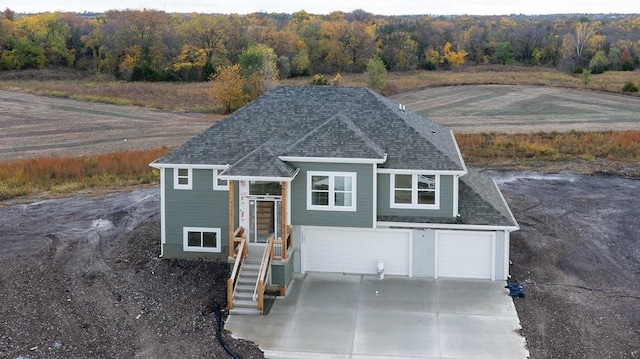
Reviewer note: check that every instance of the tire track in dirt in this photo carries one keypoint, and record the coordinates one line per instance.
(35, 126)
(518, 109)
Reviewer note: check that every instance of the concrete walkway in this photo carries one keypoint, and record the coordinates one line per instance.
(353, 316)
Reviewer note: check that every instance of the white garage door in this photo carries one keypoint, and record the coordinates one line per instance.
(465, 254)
(349, 250)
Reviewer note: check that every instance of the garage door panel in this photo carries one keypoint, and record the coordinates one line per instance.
(355, 251)
(465, 254)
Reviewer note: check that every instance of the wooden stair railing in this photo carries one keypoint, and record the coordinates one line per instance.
(242, 251)
(281, 243)
(258, 293)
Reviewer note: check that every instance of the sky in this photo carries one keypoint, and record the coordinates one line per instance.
(382, 7)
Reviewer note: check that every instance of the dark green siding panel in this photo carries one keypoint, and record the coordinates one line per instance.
(281, 272)
(446, 200)
(198, 207)
(362, 217)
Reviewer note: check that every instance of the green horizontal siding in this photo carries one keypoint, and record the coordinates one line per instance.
(199, 207)
(446, 200)
(362, 217)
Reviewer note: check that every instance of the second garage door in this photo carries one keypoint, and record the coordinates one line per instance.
(465, 254)
(350, 250)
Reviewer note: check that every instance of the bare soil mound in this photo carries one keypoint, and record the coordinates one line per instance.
(81, 278)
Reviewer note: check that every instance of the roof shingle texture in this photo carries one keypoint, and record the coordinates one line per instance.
(320, 121)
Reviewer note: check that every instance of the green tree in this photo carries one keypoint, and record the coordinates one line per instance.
(599, 62)
(504, 53)
(258, 64)
(376, 73)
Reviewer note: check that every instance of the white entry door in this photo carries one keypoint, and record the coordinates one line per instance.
(356, 250)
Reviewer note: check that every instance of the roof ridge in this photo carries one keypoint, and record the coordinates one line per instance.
(293, 145)
(474, 177)
(371, 143)
(283, 166)
(247, 156)
(409, 120)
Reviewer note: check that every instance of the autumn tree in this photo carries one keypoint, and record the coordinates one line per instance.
(205, 40)
(399, 51)
(452, 58)
(348, 45)
(228, 88)
(42, 40)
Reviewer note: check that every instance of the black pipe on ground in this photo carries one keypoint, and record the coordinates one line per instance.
(225, 346)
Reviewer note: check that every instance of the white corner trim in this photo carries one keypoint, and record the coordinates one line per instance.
(176, 177)
(506, 254)
(375, 199)
(456, 194)
(332, 159)
(163, 212)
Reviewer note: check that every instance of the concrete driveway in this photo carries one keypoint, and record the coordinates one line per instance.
(354, 316)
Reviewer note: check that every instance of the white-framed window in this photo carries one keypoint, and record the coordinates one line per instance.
(219, 184)
(182, 178)
(420, 191)
(201, 239)
(331, 191)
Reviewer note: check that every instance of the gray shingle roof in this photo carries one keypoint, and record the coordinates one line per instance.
(480, 203)
(338, 137)
(261, 163)
(347, 122)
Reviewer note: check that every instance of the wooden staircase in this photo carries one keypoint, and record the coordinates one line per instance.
(243, 302)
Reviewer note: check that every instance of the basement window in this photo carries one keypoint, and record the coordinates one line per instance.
(198, 239)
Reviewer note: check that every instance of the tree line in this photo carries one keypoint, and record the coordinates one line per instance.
(159, 46)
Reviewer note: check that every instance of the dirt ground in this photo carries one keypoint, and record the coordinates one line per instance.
(35, 126)
(522, 109)
(578, 255)
(81, 277)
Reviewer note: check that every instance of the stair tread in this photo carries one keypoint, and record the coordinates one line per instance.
(244, 303)
(244, 311)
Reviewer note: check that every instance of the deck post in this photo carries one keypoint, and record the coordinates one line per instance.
(283, 221)
(232, 249)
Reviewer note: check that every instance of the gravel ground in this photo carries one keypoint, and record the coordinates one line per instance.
(81, 277)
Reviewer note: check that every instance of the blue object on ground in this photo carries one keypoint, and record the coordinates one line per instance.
(515, 289)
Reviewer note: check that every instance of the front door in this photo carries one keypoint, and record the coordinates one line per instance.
(264, 218)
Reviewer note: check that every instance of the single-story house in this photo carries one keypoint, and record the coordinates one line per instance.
(330, 179)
